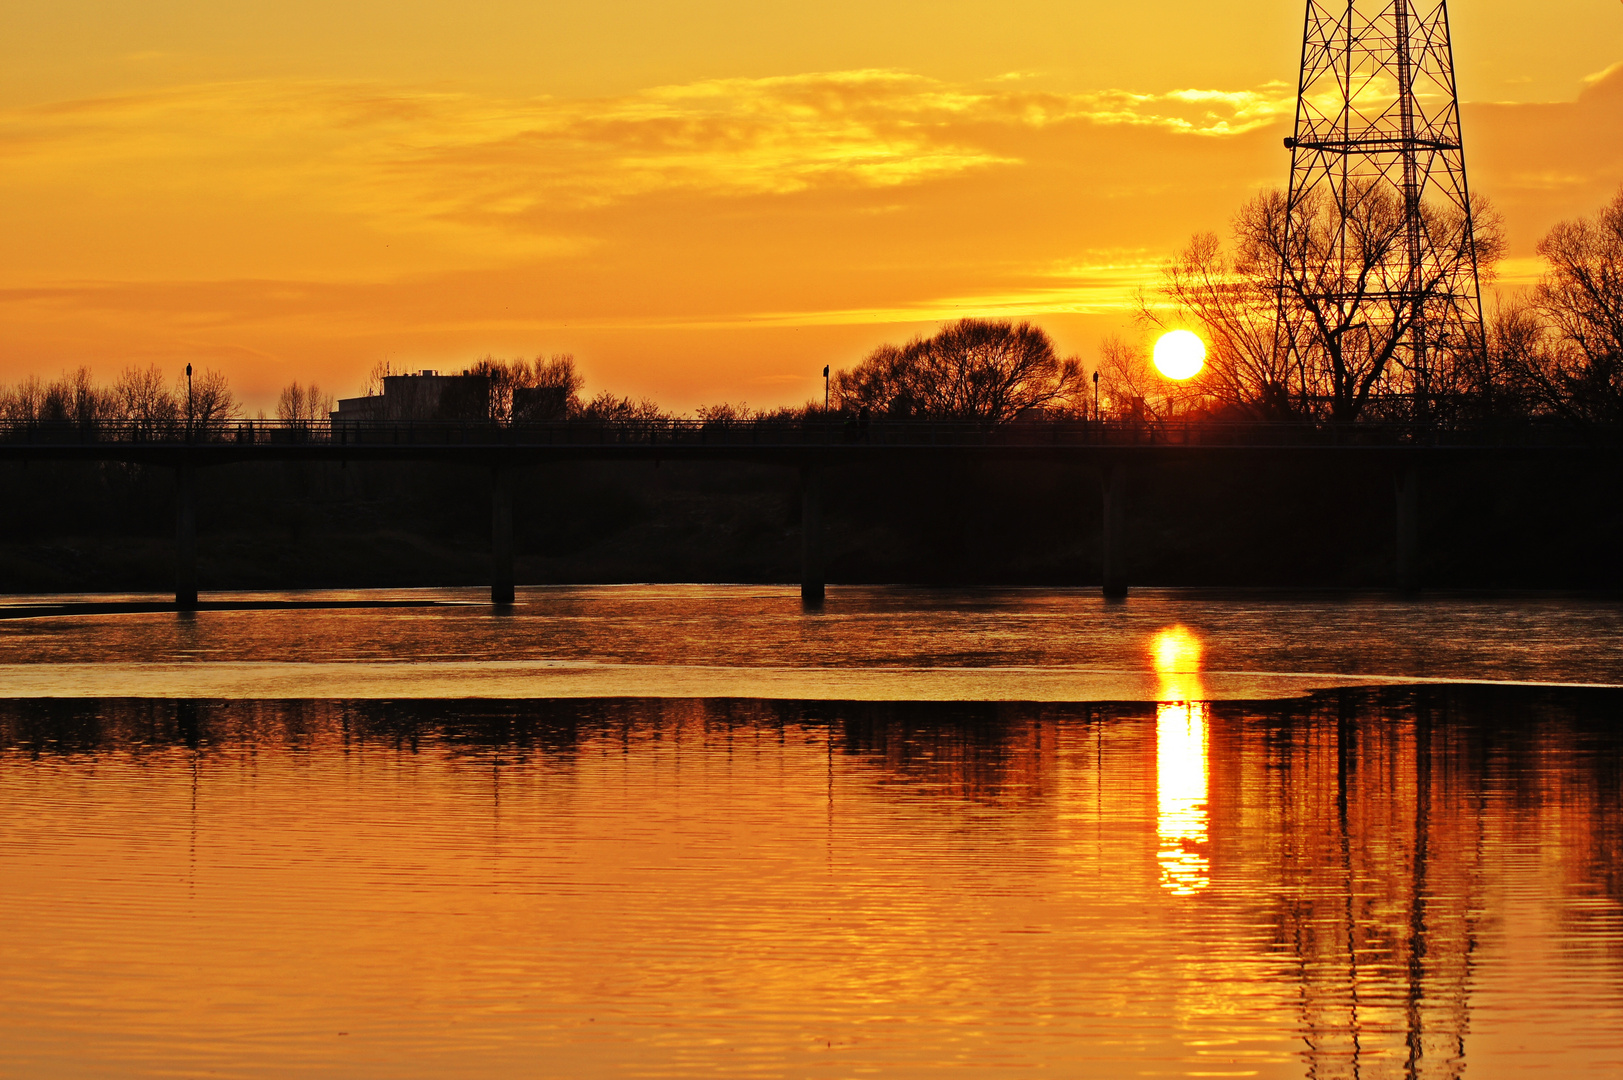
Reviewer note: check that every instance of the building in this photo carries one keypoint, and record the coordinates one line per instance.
(425, 395)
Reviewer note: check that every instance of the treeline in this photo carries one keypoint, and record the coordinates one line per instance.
(1302, 322)
(549, 388)
(992, 370)
(142, 397)
(147, 401)
(1303, 319)
(1299, 310)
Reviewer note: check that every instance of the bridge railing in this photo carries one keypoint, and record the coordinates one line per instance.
(813, 432)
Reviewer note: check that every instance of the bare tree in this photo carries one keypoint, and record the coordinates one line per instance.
(547, 388)
(85, 401)
(303, 405)
(726, 413)
(1345, 271)
(505, 377)
(141, 397)
(374, 378)
(885, 382)
(989, 370)
(69, 399)
(1132, 390)
(1312, 315)
(605, 406)
(56, 405)
(1579, 369)
(553, 389)
(1234, 303)
(793, 414)
(22, 403)
(1515, 362)
(212, 402)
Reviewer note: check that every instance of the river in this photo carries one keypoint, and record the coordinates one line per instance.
(701, 831)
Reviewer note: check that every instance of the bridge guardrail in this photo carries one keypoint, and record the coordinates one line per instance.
(816, 432)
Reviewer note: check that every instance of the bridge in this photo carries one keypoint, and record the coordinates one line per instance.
(809, 446)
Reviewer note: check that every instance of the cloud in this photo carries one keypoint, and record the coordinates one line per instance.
(1105, 285)
(277, 225)
(429, 155)
(1548, 161)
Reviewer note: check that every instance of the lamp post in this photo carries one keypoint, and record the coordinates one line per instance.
(825, 389)
(1096, 395)
(188, 401)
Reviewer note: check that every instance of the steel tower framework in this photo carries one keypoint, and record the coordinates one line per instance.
(1378, 124)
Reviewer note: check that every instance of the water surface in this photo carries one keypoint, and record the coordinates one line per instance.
(745, 628)
(1371, 881)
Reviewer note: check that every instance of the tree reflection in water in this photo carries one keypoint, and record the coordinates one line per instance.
(1341, 885)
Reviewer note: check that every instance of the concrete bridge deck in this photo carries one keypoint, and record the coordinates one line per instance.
(809, 446)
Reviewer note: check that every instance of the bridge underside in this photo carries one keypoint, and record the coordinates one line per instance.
(1116, 466)
(1115, 543)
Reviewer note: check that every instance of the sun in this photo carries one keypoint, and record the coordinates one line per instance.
(1179, 354)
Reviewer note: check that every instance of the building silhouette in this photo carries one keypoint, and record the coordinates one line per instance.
(423, 395)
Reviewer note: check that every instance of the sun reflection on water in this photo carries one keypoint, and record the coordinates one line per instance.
(1180, 766)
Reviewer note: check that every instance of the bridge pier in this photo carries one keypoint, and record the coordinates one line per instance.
(1113, 546)
(1406, 487)
(811, 535)
(501, 534)
(185, 538)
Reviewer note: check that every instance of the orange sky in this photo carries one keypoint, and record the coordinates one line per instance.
(704, 201)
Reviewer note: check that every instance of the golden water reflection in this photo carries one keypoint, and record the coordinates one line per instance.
(1180, 762)
(1181, 820)
(1176, 653)
(1411, 880)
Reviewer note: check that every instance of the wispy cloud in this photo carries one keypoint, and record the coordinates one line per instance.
(293, 223)
(1103, 287)
(442, 155)
(1192, 112)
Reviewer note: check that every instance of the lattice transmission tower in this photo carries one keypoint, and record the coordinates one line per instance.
(1380, 249)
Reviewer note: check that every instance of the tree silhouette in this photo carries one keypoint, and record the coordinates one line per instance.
(1310, 315)
(143, 399)
(212, 402)
(988, 370)
(1580, 367)
(303, 405)
(606, 406)
(547, 388)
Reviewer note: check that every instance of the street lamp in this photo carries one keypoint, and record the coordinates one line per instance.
(825, 389)
(188, 401)
(1096, 395)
